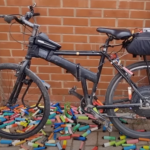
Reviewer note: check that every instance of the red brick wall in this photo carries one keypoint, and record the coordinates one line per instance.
(72, 23)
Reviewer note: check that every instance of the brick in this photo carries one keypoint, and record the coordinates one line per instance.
(48, 21)
(42, 11)
(50, 69)
(70, 98)
(131, 5)
(130, 57)
(97, 39)
(129, 62)
(88, 63)
(101, 141)
(76, 145)
(107, 71)
(100, 85)
(54, 37)
(89, 147)
(75, 38)
(3, 36)
(61, 12)
(103, 22)
(103, 4)
(43, 29)
(148, 5)
(10, 60)
(18, 37)
(12, 45)
(72, 84)
(88, 13)
(60, 29)
(147, 24)
(5, 28)
(76, 3)
(86, 47)
(47, 3)
(43, 76)
(140, 14)
(39, 61)
(60, 91)
(19, 53)
(5, 52)
(92, 139)
(85, 30)
(67, 46)
(108, 148)
(56, 98)
(116, 13)
(106, 78)
(64, 77)
(75, 21)
(2, 2)
(33, 68)
(19, 3)
(55, 84)
(103, 92)
(130, 23)
(9, 148)
(9, 10)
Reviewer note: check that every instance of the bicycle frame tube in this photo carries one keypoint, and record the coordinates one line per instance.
(86, 74)
(81, 73)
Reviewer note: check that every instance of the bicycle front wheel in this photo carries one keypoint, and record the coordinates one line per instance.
(30, 112)
(133, 122)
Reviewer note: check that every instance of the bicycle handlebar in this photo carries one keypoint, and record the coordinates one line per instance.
(23, 19)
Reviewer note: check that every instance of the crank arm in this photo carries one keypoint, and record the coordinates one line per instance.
(103, 119)
(73, 92)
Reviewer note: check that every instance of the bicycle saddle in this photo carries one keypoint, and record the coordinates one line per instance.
(117, 33)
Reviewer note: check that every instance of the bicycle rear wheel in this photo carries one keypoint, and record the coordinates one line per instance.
(33, 102)
(138, 122)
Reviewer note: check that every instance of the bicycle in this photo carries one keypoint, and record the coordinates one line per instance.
(40, 46)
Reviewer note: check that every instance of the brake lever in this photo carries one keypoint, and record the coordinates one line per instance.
(34, 5)
(31, 8)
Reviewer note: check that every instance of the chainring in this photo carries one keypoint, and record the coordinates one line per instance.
(145, 91)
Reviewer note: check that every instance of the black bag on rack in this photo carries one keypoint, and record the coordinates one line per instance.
(139, 45)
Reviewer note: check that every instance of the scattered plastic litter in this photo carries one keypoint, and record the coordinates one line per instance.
(65, 121)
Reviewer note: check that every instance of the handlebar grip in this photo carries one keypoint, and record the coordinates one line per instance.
(2, 16)
(8, 18)
(36, 14)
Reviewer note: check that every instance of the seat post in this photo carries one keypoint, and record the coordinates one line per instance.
(110, 38)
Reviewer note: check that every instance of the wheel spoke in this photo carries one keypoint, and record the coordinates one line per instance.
(118, 94)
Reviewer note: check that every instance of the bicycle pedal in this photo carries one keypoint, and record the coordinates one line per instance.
(108, 125)
(103, 119)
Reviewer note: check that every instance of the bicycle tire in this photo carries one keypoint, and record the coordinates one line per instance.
(44, 92)
(108, 100)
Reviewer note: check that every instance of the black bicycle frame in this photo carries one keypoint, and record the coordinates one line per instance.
(81, 73)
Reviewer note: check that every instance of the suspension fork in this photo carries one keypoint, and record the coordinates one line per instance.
(18, 85)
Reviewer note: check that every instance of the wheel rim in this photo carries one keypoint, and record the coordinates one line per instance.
(30, 98)
(138, 124)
